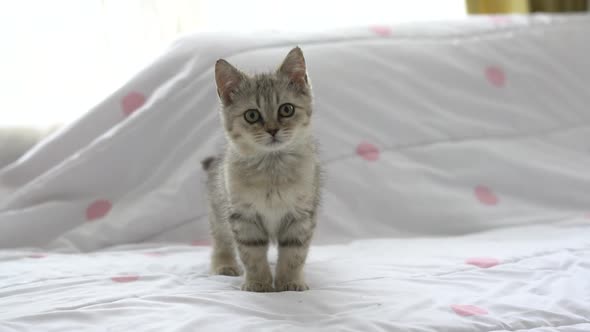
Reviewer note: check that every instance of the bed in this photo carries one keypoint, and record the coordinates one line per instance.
(457, 189)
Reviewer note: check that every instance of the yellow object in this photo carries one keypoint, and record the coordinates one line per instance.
(558, 6)
(497, 6)
(525, 6)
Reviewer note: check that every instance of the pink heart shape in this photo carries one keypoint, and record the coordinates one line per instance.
(201, 243)
(485, 195)
(468, 310)
(500, 19)
(123, 279)
(483, 262)
(98, 209)
(496, 76)
(131, 102)
(382, 30)
(368, 151)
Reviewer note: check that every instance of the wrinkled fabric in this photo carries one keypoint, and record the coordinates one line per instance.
(533, 278)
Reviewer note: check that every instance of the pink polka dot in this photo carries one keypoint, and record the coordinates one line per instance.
(201, 243)
(587, 215)
(125, 278)
(500, 19)
(154, 254)
(483, 262)
(468, 310)
(496, 76)
(485, 195)
(98, 209)
(381, 30)
(131, 102)
(368, 151)
(36, 256)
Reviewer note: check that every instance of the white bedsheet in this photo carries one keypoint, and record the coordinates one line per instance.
(522, 279)
(463, 147)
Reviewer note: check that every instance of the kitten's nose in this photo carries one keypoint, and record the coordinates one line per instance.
(272, 132)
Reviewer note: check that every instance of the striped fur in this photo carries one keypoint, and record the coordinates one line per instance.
(262, 188)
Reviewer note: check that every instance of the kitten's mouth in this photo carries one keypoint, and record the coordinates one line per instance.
(274, 142)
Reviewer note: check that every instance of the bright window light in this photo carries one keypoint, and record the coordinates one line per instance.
(61, 57)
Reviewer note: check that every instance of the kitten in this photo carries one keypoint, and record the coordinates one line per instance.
(265, 187)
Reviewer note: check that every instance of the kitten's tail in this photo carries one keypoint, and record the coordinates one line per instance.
(208, 162)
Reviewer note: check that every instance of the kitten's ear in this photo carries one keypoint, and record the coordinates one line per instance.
(294, 68)
(228, 79)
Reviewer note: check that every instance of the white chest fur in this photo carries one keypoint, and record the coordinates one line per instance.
(272, 194)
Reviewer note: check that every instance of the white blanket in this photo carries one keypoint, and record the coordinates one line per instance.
(464, 147)
(505, 280)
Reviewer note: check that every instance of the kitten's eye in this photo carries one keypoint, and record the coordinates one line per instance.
(286, 110)
(252, 116)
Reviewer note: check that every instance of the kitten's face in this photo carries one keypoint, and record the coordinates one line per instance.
(267, 112)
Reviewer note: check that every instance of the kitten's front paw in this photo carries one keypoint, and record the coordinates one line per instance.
(296, 286)
(257, 286)
(227, 270)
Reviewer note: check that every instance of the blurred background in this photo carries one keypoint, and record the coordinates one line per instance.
(61, 57)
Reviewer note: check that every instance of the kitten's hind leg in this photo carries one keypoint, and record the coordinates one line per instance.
(223, 258)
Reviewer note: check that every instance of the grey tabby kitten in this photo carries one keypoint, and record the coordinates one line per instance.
(265, 187)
